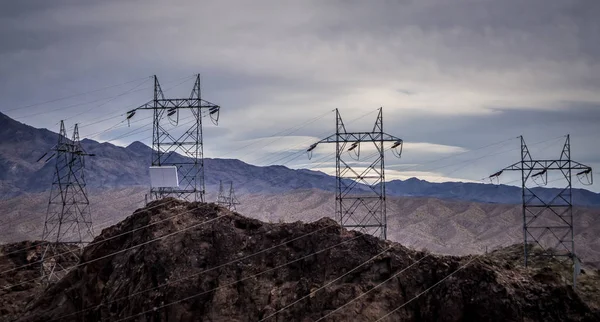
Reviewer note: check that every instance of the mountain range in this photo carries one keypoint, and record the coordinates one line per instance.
(118, 167)
(447, 218)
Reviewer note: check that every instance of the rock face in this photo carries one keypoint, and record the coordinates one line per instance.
(20, 274)
(197, 262)
(18, 287)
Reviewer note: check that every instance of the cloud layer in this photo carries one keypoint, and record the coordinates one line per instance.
(453, 76)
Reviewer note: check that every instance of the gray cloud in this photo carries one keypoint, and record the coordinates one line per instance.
(457, 73)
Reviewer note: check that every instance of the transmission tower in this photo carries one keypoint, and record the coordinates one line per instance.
(227, 199)
(548, 220)
(68, 221)
(173, 147)
(361, 206)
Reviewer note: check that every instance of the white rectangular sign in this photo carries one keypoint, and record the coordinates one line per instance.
(164, 177)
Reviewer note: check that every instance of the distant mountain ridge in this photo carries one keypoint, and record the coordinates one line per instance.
(479, 192)
(116, 167)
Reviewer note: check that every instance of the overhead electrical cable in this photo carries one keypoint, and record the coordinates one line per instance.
(240, 280)
(180, 279)
(313, 292)
(178, 231)
(74, 95)
(397, 274)
(106, 100)
(429, 289)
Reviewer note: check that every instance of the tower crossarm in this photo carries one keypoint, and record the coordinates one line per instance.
(360, 137)
(176, 103)
(176, 139)
(544, 165)
(360, 200)
(548, 219)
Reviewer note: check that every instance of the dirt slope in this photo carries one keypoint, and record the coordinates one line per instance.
(202, 263)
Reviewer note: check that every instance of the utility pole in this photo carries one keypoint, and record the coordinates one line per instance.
(227, 199)
(68, 219)
(361, 207)
(548, 221)
(184, 150)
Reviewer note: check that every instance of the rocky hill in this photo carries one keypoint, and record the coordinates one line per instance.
(198, 262)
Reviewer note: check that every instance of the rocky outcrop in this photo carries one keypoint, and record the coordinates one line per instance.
(198, 262)
(21, 272)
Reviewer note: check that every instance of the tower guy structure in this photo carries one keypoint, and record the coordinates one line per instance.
(179, 145)
(548, 219)
(68, 223)
(360, 199)
(227, 198)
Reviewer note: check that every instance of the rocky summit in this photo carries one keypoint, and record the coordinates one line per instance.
(179, 261)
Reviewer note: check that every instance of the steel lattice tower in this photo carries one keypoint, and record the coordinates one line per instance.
(361, 207)
(68, 220)
(183, 150)
(227, 199)
(548, 221)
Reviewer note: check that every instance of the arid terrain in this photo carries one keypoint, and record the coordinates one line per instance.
(441, 226)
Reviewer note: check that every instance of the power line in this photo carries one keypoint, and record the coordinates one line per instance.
(325, 285)
(461, 153)
(299, 153)
(428, 289)
(301, 147)
(329, 157)
(374, 287)
(393, 276)
(107, 239)
(134, 131)
(74, 95)
(464, 162)
(107, 99)
(122, 114)
(170, 282)
(240, 280)
(287, 131)
(123, 250)
(154, 206)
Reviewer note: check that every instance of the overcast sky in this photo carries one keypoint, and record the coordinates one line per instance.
(452, 76)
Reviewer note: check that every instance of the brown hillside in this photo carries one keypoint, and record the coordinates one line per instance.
(203, 263)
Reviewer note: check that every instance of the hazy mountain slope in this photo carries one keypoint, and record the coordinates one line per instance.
(481, 192)
(442, 226)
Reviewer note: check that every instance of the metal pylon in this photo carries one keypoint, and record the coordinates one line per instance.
(363, 206)
(548, 221)
(227, 198)
(68, 223)
(174, 144)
